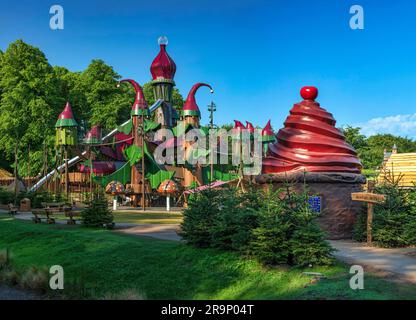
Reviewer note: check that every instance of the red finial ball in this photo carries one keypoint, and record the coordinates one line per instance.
(309, 93)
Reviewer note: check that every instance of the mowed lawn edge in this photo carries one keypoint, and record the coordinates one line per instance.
(108, 263)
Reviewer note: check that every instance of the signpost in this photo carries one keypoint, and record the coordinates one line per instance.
(371, 199)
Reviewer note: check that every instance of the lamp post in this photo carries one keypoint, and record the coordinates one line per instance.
(212, 108)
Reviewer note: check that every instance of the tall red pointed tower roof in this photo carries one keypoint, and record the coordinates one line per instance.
(139, 106)
(66, 118)
(94, 135)
(163, 67)
(267, 133)
(190, 108)
(249, 127)
(310, 142)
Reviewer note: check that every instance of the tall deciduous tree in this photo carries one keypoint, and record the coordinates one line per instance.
(108, 104)
(30, 101)
(371, 149)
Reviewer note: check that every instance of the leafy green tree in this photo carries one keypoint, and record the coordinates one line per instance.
(71, 89)
(108, 104)
(354, 137)
(371, 150)
(30, 101)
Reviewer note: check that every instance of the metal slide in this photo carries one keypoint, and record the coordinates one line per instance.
(77, 159)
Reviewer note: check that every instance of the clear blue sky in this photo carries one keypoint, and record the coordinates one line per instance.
(256, 54)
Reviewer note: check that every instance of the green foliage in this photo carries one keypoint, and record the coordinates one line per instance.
(394, 221)
(153, 267)
(30, 100)
(235, 220)
(200, 214)
(97, 214)
(371, 150)
(6, 197)
(288, 231)
(109, 105)
(275, 227)
(354, 137)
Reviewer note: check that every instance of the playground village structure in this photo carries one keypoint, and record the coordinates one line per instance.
(309, 150)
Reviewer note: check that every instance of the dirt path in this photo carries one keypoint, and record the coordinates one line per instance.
(399, 264)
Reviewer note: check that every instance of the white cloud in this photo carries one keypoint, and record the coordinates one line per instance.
(400, 125)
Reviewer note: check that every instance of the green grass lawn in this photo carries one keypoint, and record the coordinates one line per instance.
(108, 262)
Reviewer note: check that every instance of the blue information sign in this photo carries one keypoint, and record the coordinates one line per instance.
(315, 204)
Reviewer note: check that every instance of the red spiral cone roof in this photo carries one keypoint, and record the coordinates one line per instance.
(310, 142)
(190, 108)
(163, 66)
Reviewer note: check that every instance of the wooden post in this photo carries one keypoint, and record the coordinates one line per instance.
(370, 198)
(16, 175)
(143, 169)
(91, 172)
(370, 214)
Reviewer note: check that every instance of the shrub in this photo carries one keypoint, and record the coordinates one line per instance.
(233, 224)
(6, 197)
(288, 231)
(199, 218)
(97, 214)
(274, 227)
(394, 221)
(4, 259)
(34, 279)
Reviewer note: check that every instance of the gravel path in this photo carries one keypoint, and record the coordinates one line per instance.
(8, 293)
(399, 263)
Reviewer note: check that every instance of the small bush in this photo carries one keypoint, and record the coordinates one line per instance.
(274, 227)
(97, 214)
(34, 279)
(6, 197)
(4, 259)
(394, 222)
(10, 277)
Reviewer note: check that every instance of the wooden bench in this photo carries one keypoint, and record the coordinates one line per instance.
(39, 213)
(71, 214)
(12, 209)
(53, 208)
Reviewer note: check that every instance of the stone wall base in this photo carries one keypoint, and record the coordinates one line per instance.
(339, 212)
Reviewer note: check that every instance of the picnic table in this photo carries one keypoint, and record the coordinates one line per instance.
(51, 208)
